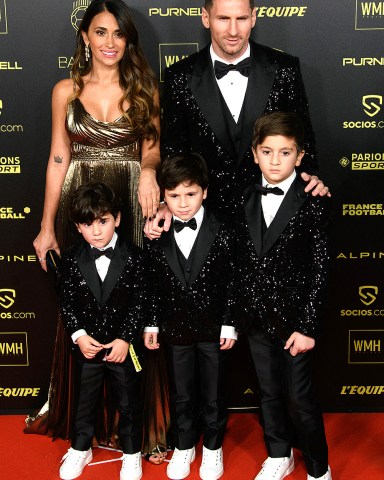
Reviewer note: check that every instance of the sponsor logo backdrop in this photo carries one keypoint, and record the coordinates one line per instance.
(340, 48)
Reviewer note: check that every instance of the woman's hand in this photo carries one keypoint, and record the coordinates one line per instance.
(148, 192)
(45, 240)
(152, 229)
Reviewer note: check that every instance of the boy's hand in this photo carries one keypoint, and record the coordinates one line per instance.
(317, 185)
(299, 343)
(226, 343)
(150, 340)
(89, 346)
(119, 351)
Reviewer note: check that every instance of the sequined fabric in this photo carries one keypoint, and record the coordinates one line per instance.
(284, 290)
(189, 312)
(107, 152)
(123, 313)
(194, 118)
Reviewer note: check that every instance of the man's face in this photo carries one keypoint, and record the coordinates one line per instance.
(230, 23)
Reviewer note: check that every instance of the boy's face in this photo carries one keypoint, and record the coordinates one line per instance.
(277, 157)
(185, 200)
(100, 232)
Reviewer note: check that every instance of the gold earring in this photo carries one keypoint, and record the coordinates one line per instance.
(86, 51)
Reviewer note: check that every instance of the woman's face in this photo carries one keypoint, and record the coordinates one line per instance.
(105, 39)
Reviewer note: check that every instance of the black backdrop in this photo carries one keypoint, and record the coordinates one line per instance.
(340, 47)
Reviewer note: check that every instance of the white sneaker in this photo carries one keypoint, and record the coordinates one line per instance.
(276, 468)
(212, 467)
(131, 468)
(180, 464)
(74, 463)
(326, 476)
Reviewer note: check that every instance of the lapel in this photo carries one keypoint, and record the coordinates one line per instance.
(204, 241)
(254, 215)
(293, 200)
(206, 92)
(260, 83)
(168, 244)
(118, 261)
(88, 270)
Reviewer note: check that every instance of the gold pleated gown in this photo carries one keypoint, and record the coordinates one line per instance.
(107, 152)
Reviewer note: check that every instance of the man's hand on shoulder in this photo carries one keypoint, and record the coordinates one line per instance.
(316, 185)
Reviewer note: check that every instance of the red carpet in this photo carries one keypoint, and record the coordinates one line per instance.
(356, 446)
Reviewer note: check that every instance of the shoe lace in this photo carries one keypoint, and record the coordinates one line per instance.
(73, 456)
(180, 455)
(132, 460)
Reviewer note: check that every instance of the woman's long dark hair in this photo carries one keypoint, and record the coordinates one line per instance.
(137, 79)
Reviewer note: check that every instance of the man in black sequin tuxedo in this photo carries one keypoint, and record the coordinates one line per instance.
(282, 269)
(104, 296)
(215, 116)
(192, 271)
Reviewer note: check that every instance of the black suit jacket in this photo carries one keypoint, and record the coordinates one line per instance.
(114, 309)
(195, 119)
(282, 275)
(194, 310)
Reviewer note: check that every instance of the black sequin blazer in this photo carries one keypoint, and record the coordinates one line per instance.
(194, 117)
(282, 275)
(114, 309)
(194, 310)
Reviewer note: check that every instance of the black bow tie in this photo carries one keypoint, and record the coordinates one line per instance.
(180, 225)
(96, 253)
(266, 190)
(243, 67)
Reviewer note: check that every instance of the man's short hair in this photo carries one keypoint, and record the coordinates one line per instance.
(208, 4)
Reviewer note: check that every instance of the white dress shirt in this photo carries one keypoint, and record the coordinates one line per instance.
(186, 237)
(233, 85)
(185, 240)
(271, 203)
(102, 264)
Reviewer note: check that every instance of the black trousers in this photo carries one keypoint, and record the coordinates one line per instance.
(288, 402)
(197, 376)
(126, 390)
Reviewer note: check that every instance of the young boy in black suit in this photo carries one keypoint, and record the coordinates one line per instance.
(282, 270)
(104, 290)
(192, 274)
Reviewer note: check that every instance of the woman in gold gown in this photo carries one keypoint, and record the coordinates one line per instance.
(105, 127)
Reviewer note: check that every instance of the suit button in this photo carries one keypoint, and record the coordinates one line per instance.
(188, 270)
(190, 294)
(261, 272)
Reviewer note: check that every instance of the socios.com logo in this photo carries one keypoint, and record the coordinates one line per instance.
(372, 104)
(368, 294)
(79, 8)
(7, 297)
